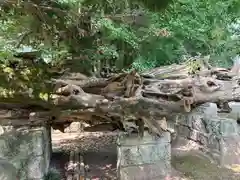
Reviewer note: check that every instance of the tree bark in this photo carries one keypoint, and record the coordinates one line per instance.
(149, 96)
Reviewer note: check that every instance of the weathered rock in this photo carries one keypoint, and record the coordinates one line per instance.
(147, 158)
(183, 131)
(7, 170)
(235, 113)
(195, 118)
(28, 149)
(217, 136)
(74, 127)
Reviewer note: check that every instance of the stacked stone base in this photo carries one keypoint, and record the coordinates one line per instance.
(28, 150)
(144, 159)
(218, 137)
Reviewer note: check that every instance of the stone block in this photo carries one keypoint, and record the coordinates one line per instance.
(28, 149)
(208, 110)
(36, 167)
(193, 135)
(229, 127)
(7, 170)
(230, 150)
(133, 140)
(154, 171)
(213, 126)
(144, 154)
(203, 139)
(183, 131)
(219, 136)
(182, 119)
(198, 118)
(198, 123)
(214, 143)
(146, 158)
(234, 114)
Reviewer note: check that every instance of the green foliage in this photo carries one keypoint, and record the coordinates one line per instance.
(194, 28)
(141, 34)
(90, 32)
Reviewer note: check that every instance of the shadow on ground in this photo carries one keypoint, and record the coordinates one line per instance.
(195, 167)
(100, 165)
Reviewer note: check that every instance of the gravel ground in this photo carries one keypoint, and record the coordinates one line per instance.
(84, 142)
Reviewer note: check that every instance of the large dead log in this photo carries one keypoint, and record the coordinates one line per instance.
(145, 98)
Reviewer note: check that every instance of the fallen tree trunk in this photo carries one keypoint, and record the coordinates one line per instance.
(147, 97)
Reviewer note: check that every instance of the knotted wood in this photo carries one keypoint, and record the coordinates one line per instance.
(146, 97)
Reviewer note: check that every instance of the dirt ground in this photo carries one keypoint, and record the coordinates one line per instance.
(194, 167)
(98, 151)
(99, 154)
(101, 166)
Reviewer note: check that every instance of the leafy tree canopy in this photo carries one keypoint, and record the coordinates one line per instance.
(88, 35)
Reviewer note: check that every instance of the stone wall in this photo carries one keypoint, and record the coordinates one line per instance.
(28, 150)
(144, 159)
(7, 170)
(217, 135)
